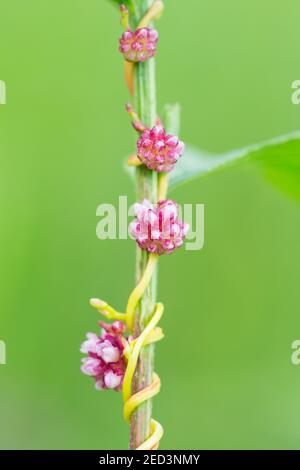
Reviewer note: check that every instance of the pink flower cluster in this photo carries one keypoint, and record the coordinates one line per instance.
(158, 150)
(139, 45)
(157, 229)
(105, 361)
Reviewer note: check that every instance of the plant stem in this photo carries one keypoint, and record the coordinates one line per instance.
(146, 182)
(147, 188)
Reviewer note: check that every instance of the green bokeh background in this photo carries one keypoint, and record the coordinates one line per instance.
(232, 309)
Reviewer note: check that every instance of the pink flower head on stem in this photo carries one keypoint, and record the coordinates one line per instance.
(158, 150)
(139, 45)
(105, 360)
(157, 229)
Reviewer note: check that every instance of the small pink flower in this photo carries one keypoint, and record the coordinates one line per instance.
(91, 366)
(112, 380)
(158, 150)
(89, 346)
(116, 328)
(105, 360)
(139, 45)
(157, 229)
(107, 352)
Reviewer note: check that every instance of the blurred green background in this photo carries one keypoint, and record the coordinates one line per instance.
(232, 309)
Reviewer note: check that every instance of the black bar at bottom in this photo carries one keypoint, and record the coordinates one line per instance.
(132, 459)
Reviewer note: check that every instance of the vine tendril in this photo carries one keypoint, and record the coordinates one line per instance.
(131, 402)
(151, 333)
(115, 358)
(139, 290)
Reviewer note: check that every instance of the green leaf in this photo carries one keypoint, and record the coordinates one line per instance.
(279, 159)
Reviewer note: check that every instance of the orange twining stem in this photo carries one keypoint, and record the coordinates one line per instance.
(151, 334)
(131, 402)
(139, 290)
(129, 76)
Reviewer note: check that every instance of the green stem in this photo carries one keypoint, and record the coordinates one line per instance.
(146, 181)
(147, 188)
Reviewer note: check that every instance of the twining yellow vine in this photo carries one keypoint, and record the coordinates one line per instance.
(150, 334)
(131, 402)
(164, 233)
